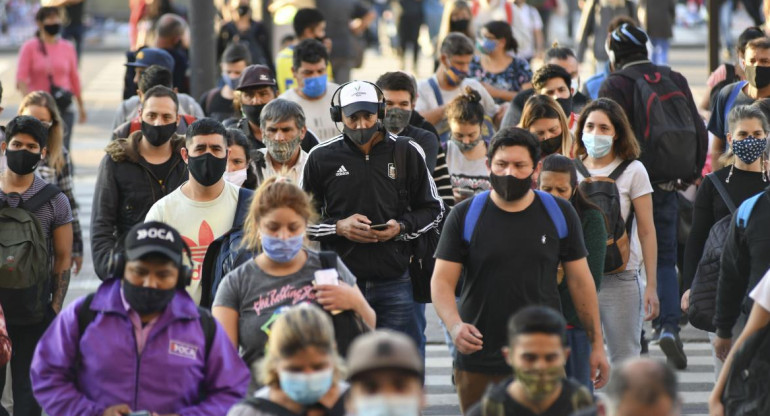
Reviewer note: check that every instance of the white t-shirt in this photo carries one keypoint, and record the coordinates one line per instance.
(633, 183)
(293, 173)
(426, 98)
(199, 223)
(526, 20)
(464, 173)
(761, 292)
(317, 117)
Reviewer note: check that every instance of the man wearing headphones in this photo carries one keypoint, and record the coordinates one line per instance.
(353, 179)
(139, 343)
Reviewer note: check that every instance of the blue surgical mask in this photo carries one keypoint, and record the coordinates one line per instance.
(597, 145)
(306, 389)
(280, 250)
(749, 149)
(486, 46)
(230, 82)
(381, 405)
(455, 76)
(315, 86)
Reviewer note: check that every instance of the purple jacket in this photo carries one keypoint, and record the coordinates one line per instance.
(104, 369)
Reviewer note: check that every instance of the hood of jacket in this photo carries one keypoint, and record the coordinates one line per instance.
(127, 150)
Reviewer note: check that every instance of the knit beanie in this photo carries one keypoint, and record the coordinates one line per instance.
(627, 40)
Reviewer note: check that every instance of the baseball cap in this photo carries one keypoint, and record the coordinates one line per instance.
(359, 96)
(256, 76)
(384, 350)
(154, 237)
(153, 56)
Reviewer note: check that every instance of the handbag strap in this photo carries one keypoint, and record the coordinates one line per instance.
(722, 191)
(48, 61)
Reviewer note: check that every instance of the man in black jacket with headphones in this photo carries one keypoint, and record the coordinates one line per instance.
(352, 178)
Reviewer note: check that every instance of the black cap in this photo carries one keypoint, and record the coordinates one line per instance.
(256, 76)
(154, 237)
(27, 125)
(628, 40)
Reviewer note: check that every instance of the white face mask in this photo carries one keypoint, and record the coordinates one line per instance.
(575, 85)
(236, 177)
(610, 52)
(381, 405)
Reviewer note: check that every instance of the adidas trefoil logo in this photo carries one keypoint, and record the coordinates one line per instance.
(342, 171)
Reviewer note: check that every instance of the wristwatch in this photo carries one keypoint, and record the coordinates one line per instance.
(401, 228)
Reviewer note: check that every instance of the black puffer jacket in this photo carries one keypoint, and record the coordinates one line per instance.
(703, 293)
(125, 190)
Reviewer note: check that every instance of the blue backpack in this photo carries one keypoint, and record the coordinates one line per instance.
(744, 211)
(225, 253)
(548, 200)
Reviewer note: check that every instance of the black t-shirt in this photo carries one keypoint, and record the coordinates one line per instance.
(571, 399)
(75, 13)
(511, 263)
(161, 170)
(216, 106)
(717, 123)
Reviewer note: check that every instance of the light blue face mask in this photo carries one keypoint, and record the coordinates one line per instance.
(306, 389)
(381, 405)
(597, 145)
(486, 46)
(280, 250)
(315, 87)
(230, 82)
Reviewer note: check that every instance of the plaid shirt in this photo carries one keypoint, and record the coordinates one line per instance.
(63, 180)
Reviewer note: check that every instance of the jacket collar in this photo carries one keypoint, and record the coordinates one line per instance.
(108, 300)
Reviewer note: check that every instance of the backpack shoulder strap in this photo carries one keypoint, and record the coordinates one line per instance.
(729, 72)
(135, 125)
(85, 314)
(619, 170)
(581, 168)
(42, 196)
(210, 98)
(744, 211)
(557, 216)
(720, 187)
(328, 259)
(244, 199)
(473, 214)
(436, 91)
(731, 99)
(399, 157)
(508, 12)
(209, 326)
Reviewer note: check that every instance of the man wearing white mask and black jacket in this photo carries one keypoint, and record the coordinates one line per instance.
(204, 207)
(353, 179)
(135, 173)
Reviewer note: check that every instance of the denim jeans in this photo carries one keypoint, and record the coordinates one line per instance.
(660, 51)
(75, 34)
(725, 23)
(665, 212)
(421, 323)
(578, 364)
(393, 302)
(620, 307)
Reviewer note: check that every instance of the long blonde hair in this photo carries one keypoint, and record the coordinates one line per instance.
(55, 143)
(446, 19)
(275, 192)
(297, 328)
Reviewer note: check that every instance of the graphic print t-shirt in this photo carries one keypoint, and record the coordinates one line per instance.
(199, 223)
(260, 298)
(464, 173)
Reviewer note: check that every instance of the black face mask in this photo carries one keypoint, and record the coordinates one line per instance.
(22, 162)
(243, 10)
(158, 135)
(207, 169)
(509, 187)
(361, 136)
(758, 76)
(566, 105)
(551, 145)
(147, 300)
(252, 112)
(53, 29)
(459, 25)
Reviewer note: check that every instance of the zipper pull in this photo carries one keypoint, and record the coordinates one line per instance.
(367, 158)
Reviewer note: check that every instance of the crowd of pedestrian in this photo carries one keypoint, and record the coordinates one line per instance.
(269, 248)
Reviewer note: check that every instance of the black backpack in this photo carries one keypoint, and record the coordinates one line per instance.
(745, 393)
(25, 260)
(603, 192)
(421, 263)
(703, 292)
(664, 125)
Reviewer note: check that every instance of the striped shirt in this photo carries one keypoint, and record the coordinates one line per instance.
(51, 215)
